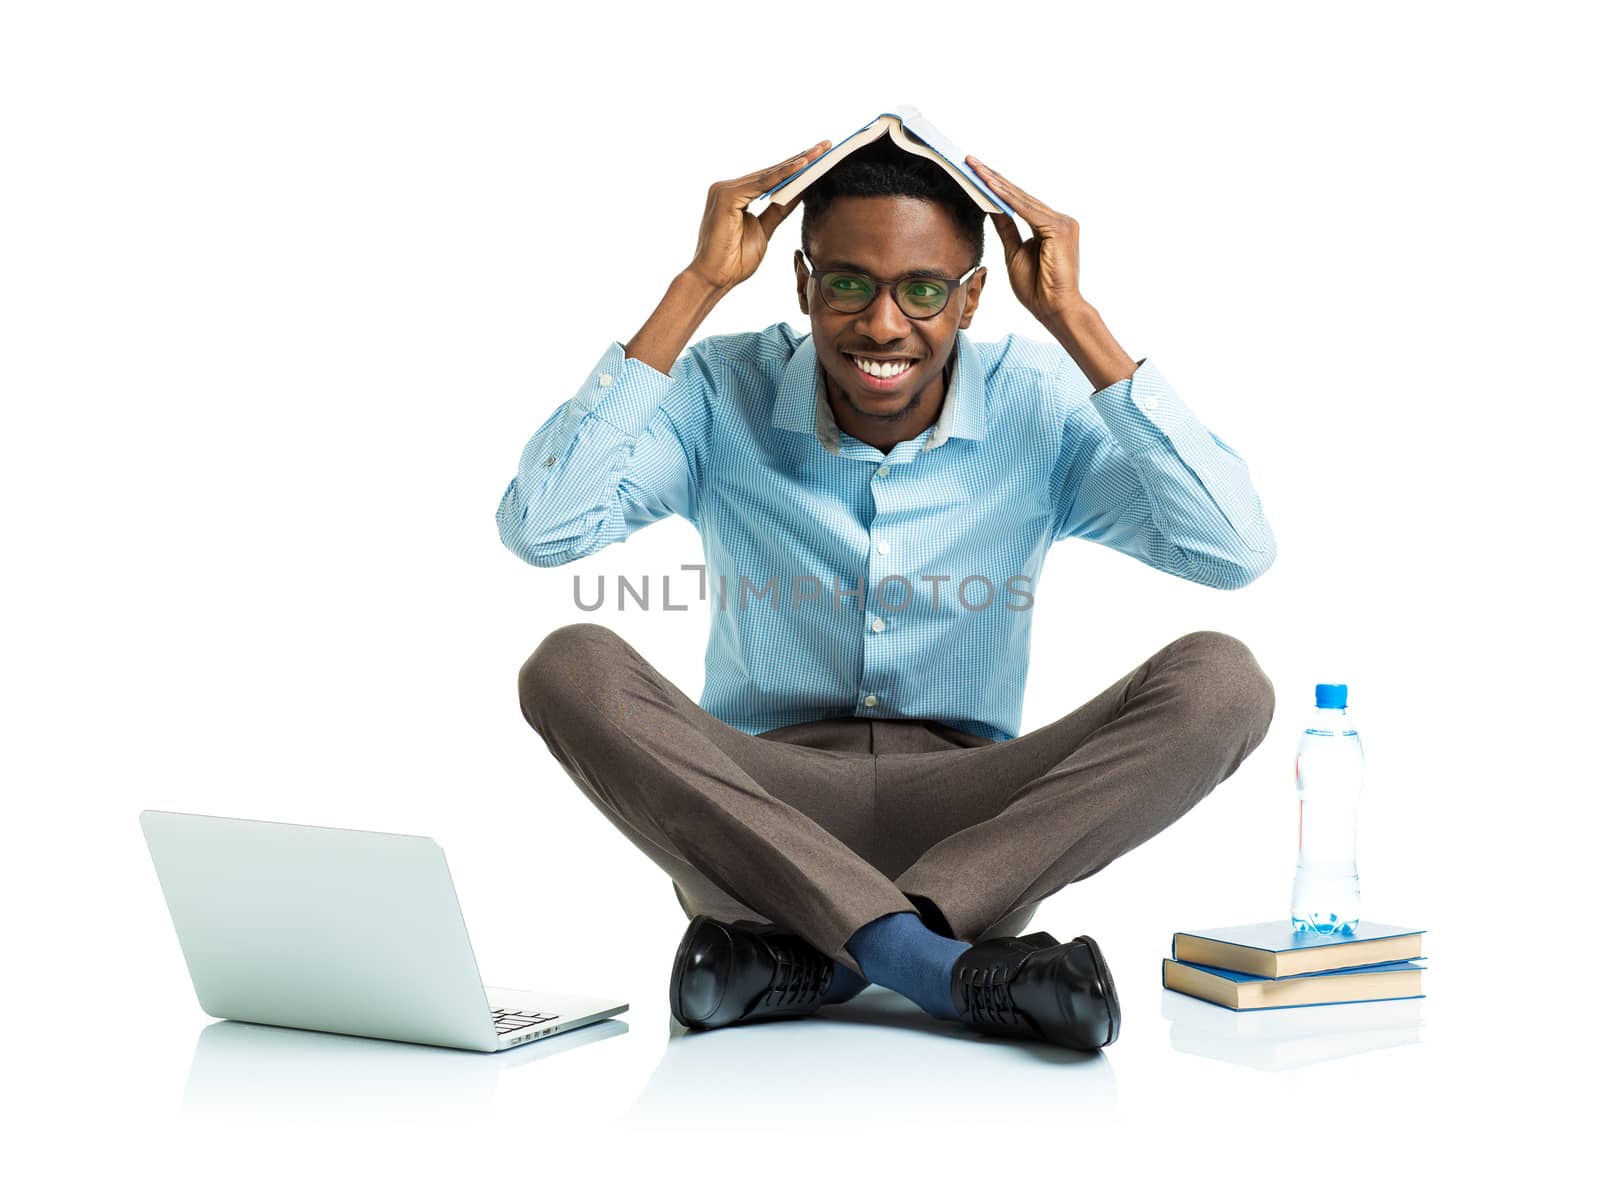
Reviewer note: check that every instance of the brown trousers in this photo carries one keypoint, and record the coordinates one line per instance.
(822, 827)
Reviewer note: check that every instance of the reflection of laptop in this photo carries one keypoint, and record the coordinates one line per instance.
(339, 930)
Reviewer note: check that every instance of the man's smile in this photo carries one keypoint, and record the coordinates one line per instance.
(882, 374)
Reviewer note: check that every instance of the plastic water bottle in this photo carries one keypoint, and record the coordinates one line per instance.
(1327, 776)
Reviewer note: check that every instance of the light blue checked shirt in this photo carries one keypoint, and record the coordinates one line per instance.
(843, 581)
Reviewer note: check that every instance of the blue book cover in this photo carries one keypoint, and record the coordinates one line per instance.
(1274, 949)
(1247, 991)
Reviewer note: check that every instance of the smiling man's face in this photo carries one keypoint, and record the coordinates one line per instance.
(887, 238)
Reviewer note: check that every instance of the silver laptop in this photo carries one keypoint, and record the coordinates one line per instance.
(340, 930)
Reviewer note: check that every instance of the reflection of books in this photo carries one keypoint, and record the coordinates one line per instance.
(1284, 1039)
(1275, 949)
(1392, 981)
(911, 132)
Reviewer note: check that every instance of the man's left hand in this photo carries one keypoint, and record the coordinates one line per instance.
(1043, 269)
(1044, 274)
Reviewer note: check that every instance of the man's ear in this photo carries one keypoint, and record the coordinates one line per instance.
(801, 278)
(974, 291)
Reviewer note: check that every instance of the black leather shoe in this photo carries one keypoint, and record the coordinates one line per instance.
(1042, 939)
(728, 974)
(1034, 987)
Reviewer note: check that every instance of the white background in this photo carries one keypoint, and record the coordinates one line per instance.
(287, 287)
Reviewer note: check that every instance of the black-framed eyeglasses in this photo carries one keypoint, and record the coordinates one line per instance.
(917, 298)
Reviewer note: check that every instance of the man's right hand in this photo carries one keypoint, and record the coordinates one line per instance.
(732, 242)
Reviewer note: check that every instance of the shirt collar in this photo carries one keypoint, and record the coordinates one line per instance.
(802, 404)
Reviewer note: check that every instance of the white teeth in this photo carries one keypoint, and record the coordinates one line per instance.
(881, 371)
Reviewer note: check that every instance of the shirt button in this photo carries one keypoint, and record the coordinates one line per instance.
(1150, 402)
(883, 471)
(550, 461)
(877, 625)
(883, 547)
(871, 700)
(605, 380)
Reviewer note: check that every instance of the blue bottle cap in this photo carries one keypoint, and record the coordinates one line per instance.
(1332, 694)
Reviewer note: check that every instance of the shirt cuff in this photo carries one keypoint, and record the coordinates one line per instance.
(623, 392)
(1142, 412)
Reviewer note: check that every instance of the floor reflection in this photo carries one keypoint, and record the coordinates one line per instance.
(864, 1060)
(241, 1069)
(1284, 1039)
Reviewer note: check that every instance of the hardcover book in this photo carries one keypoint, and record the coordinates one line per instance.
(910, 131)
(1393, 981)
(1275, 950)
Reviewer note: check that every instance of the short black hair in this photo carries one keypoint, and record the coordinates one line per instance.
(882, 168)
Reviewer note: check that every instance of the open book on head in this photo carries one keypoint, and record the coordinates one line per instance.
(911, 132)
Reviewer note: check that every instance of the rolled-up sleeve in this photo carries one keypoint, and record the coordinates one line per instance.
(628, 449)
(1139, 473)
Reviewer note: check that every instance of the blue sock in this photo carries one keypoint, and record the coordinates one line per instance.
(846, 984)
(899, 952)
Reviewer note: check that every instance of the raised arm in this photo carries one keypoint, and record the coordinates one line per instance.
(631, 446)
(627, 450)
(1139, 473)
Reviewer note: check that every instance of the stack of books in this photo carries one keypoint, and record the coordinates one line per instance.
(1271, 966)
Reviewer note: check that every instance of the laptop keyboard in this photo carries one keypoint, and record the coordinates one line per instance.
(508, 1021)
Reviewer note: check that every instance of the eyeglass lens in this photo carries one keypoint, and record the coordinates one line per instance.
(919, 298)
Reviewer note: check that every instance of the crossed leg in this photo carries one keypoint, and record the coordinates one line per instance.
(775, 829)
(989, 830)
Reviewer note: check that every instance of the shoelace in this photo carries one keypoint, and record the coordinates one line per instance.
(986, 993)
(799, 977)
